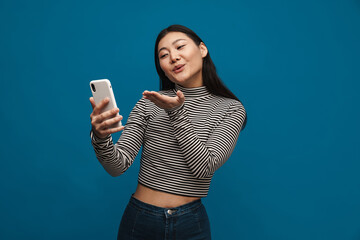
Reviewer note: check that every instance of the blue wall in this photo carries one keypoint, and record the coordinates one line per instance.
(294, 64)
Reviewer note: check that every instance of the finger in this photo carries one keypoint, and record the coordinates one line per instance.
(92, 101)
(152, 99)
(164, 101)
(108, 123)
(111, 130)
(106, 115)
(148, 94)
(158, 96)
(117, 129)
(101, 105)
(161, 98)
(181, 96)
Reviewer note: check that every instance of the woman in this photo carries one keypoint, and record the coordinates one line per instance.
(187, 130)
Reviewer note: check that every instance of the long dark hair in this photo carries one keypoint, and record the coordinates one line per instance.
(211, 80)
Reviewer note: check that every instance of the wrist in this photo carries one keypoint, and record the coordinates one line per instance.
(98, 136)
(176, 108)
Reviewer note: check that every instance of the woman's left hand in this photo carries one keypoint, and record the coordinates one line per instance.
(163, 101)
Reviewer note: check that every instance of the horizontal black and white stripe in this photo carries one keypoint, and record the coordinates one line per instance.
(182, 147)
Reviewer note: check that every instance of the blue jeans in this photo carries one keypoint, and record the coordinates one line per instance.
(144, 221)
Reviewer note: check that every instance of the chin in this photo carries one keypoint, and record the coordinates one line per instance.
(181, 80)
(181, 83)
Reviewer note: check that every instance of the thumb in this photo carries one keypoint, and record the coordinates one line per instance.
(93, 105)
(181, 96)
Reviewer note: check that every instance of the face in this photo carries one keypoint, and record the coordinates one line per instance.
(181, 59)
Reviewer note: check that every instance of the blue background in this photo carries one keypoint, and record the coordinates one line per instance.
(294, 64)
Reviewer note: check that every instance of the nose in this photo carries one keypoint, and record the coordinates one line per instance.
(174, 57)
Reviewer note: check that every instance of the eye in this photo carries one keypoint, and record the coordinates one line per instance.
(164, 55)
(180, 47)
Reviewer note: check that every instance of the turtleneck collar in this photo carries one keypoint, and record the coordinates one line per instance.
(193, 92)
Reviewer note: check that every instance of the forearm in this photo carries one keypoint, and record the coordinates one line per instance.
(105, 151)
(116, 159)
(204, 158)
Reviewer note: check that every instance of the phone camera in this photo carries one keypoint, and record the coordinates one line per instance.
(93, 87)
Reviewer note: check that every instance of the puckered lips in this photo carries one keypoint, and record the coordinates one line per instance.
(178, 68)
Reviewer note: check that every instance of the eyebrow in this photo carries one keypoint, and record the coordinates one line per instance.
(172, 43)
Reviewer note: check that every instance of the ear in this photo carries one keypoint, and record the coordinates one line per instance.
(203, 49)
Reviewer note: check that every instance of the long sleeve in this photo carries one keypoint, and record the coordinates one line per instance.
(116, 159)
(202, 158)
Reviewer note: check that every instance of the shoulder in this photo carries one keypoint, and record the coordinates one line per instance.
(233, 109)
(236, 105)
(230, 104)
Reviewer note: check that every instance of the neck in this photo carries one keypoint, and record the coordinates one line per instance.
(193, 91)
(195, 81)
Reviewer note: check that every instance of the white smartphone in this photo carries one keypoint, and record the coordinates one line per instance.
(101, 89)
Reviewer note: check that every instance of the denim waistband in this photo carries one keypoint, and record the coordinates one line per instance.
(155, 210)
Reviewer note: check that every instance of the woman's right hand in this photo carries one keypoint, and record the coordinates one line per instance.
(101, 122)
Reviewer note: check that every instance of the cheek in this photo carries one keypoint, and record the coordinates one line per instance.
(195, 57)
(197, 61)
(163, 66)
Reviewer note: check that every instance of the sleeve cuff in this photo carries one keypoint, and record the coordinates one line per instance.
(174, 110)
(98, 139)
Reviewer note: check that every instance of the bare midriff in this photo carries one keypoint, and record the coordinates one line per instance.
(161, 199)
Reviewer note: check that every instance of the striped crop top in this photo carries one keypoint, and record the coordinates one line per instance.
(182, 147)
